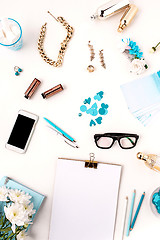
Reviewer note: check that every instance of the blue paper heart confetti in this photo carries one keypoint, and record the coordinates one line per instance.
(88, 100)
(94, 109)
(92, 112)
(92, 123)
(94, 106)
(83, 108)
(103, 110)
(99, 120)
(103, 105)
(99, 96)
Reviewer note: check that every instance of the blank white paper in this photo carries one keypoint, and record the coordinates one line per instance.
(84, 201)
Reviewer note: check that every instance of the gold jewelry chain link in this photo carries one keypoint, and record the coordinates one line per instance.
(62, 50)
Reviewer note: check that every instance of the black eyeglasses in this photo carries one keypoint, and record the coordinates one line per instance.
(125, 140)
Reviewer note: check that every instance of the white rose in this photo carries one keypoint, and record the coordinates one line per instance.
(138, 66)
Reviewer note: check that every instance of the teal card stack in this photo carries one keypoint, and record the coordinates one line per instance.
(143, 97)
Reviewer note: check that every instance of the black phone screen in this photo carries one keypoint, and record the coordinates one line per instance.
(21, 131)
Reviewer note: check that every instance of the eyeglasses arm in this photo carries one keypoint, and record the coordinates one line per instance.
(130, 140)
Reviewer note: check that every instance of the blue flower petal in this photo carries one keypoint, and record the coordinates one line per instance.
(139, 55)
(132, 44)
(136, 48)
(131, 52)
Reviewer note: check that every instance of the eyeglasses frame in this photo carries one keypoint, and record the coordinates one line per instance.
(116, 137)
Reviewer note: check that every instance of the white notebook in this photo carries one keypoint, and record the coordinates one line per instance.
(84, 201)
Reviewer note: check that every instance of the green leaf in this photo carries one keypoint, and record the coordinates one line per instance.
(11, 236)
(2, 219)
(6, 229)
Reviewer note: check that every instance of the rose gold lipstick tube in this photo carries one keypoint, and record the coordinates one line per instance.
(32, 88)
(52, 91)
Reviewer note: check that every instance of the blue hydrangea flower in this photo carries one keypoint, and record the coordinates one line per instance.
(135, 50)
(132, 44)
(139, 55)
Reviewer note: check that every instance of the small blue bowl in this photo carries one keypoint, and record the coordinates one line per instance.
(153, 207)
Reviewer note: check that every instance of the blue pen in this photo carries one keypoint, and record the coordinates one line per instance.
(60, 130)
(130, 214)
(137, 211)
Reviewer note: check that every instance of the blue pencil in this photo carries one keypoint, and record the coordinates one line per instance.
(137, 211)
(130, 214)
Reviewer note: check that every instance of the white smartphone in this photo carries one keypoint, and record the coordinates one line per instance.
(22, 131)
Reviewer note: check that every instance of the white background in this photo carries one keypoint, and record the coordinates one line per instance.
(36, 168)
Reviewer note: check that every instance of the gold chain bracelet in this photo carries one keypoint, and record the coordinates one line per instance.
(64, 44)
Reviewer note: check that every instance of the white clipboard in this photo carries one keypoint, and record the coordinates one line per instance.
(85, 200)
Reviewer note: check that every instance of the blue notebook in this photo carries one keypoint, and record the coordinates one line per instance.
(37, 198)
(143, 97)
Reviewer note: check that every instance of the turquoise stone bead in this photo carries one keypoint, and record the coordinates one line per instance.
(16, 73)
(19, 70)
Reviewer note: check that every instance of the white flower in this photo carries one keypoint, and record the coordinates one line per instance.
(18, 196)
(3, 193)
(21, 236)
(17, 215)
(138, 66)
(29, 209)
(124, 45)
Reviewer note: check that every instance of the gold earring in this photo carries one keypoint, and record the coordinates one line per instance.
(64, 44)
(92, 54)
(102, 59)
(90, 68)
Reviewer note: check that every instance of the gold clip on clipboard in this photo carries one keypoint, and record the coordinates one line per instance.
(85, 194)
(91, 163)
(88, 163)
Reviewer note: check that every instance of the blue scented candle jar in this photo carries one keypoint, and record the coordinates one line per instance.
(10, 34)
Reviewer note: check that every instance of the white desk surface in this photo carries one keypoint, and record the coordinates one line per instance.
(36, 168)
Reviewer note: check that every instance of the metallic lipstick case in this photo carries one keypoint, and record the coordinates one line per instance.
(127, 17)
(32, 88)
(52, 91)
(110, 8)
